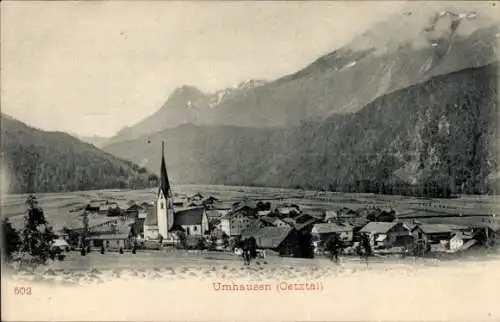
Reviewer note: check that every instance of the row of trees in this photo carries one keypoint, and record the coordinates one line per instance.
(34, 241)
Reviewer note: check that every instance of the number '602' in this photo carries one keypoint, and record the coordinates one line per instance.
(22, 290)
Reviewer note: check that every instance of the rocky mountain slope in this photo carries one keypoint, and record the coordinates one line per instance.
(429, 136)
(37, 161)
(406, 49)
(186, 105)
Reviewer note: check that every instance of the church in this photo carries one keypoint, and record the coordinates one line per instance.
(164, 222)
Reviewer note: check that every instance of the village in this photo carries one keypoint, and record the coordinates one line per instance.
(198, 222)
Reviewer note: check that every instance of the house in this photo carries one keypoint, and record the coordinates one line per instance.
(119, 235)
(267, 221)
(210, 201)
(288, 211)
(213, 214)
(347, 213)
(331, 215)
(436, 233)
(386, 234)
(195, 197)
(113, 209)
(146, 205)
(305, 222)
(289, 221)
(279, 239)
(327, 230)
(261, 213)
(222, 208)
(111, 241)
(92, 207)
(233, 225)
(133, 209)
(179, 202)
(193, 221)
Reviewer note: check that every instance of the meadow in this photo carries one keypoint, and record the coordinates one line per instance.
(58, 206)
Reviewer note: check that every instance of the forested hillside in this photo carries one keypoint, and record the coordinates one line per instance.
(36, 161)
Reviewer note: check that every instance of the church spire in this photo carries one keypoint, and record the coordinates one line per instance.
(164, 183)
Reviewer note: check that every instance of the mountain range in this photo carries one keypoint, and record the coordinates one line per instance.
(438, 134)
(406, 49)
(33, 160)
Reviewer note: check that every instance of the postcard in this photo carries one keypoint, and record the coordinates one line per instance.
(250, 161)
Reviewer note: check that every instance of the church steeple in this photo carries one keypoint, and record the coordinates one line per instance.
(164, 182)
(164, 204)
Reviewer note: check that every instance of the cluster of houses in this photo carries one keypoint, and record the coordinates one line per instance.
(286, 229)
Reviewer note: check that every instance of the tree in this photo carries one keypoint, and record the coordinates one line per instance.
(365, 244)
(305, 245)
(225, 240)
(201, 243)
(73, 237)
(182, 239)
(213, 242)
(11, 241)
(333, 247)
(37, 236)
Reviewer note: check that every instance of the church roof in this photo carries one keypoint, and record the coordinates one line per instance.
(164, 182)
(189, 216)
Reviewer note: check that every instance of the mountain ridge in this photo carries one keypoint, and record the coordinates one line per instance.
(34, 160)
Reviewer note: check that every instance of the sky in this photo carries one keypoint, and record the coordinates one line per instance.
(92, 67)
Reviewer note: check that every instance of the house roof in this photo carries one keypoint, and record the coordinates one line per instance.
(237, 210)
(303, 218)
(440, 228)
(212, 213)
(268, 219)
(287, 210)
(179, 200)
(300, 226)
(125, 226)
(378, 227)
(267, 237)
(77, 223)
(189, 216)
(331, 228)
(210, 199)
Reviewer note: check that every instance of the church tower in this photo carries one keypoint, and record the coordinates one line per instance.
(164, 200)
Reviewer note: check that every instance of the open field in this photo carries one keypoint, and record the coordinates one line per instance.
(96, 267)
(57, 206)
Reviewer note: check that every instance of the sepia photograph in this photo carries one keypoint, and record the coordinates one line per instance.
(250, 160)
